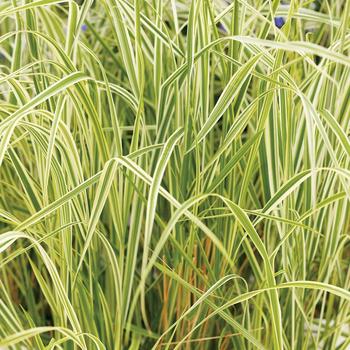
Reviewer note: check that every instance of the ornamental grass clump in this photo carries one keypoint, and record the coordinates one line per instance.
(174, 174)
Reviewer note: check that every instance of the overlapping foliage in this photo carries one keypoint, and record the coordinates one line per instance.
(174, 174)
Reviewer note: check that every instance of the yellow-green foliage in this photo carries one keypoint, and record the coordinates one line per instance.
(174, 174)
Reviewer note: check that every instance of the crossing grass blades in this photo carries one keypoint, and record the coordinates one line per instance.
(174, 174)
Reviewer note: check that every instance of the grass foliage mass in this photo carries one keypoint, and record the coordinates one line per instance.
(174, 174)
